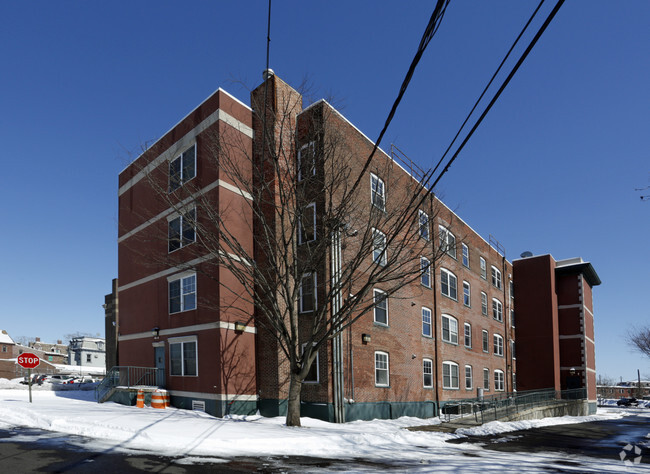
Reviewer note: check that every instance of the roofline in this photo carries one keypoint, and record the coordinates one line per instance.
(186, 116)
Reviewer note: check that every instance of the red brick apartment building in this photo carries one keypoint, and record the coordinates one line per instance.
(445, 336)
(555, 333)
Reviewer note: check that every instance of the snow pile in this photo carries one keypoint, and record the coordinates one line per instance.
(192, 436)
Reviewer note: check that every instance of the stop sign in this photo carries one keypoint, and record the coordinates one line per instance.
(28, 360)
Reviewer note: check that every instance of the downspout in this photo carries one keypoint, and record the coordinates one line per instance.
(337, 358)
(435, 309)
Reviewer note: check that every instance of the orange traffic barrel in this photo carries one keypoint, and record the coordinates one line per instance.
(157, 399)
(166, 398)
(140, 400)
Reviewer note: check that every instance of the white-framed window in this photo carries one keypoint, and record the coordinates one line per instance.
(449, 329)
(447, 241)
(313, 374)
(427, 373)
(183, 356)
(377, 192)
(469, 384)
(426, 322)
(513, 352)
(497, 309)
(307, 290)
(498, 345)
(448, 284)
(511, 289)
(486, 380)
(468, 335)
(306, 161)
(425, 268)
(466, 294)
(380, 308)
(512, 318)
(89, 358)
(483, 265)
(484, 305)
(423, 220)
(307, 224)
(182, 168)
(486, 341)
(378, 247)
(382, 372)
(499, 385)
(466, 255)
(181, 230)
(496, 277)
(182, 292)
(450, 375)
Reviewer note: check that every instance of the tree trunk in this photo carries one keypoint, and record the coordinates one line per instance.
(293, 407)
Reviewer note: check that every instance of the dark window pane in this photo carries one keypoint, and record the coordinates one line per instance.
(174, 296)
(189, 358)
(189, 170)
(174, 174)
(174, 234)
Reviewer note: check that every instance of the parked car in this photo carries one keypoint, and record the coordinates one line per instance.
(79, 380)
(627, 402)
(38, 379)
(57, 379)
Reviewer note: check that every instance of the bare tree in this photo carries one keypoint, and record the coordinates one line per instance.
(639, 339)
(320, 244)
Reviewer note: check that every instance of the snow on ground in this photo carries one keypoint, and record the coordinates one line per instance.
(197, 437)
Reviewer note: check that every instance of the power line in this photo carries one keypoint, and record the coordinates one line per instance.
(505, 58)
(429, 32)
(503, 86)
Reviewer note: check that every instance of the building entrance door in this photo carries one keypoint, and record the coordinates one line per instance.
(160, 365)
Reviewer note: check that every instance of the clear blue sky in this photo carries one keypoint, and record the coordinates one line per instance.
(552, 169)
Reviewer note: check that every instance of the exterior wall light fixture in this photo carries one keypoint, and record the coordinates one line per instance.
(240, 327)
(365, 338)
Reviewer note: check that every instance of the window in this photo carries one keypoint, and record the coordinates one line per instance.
(449, 375)
(512, 289)
(378, 247)
(4, 348)
(307, 290)
(426, 322)
(496, 277)
(484, 306)
(447, 241)
(181, 230)
(425, 268)
(486, 341)
(497, 309)
(306, 161)
(498, 345)
(512, 349)
(182, 168)
(468, 335)
(381, 307)
(313, 374)
(427, 373)
(449, 329)
(466, 255)
(448, 283)
(498, 381)
(88, 358)
(512, 318)
(466, 294)
(486, 379)
(483, 268)
(183, 356)
(381, 369)
(468, 377)
(182, 293)
(307, 224)
(377, 192)
(424, 225)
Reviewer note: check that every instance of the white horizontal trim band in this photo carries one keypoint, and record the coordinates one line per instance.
(166, 272)
(185, 329)
(569, 306)
(224, 397)
(184, 143)
(184, 202)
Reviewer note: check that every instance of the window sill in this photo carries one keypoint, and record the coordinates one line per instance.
(450, 343)
(381, 325)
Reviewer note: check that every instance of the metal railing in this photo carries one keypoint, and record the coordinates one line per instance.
(127, 377)
(505, 404)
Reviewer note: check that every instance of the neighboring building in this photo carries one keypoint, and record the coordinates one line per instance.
(555, 324)
(7, 345)
(634, 388)
(55, 353)
(449, 335)
(111, 326)
(87, 351)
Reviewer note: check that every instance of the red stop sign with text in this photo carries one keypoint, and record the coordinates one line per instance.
(28, 360)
